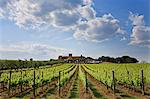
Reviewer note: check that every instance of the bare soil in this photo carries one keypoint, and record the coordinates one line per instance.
(64, 91)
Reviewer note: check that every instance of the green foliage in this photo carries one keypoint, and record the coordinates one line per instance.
(66, 74)
(123, 59)
(124, 73)
(42, 76)
(19, 64)
(82, 75)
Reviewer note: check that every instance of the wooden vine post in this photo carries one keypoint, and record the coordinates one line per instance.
(106, 77)
(42, 80)
(9, 87)
(21, 80)
(59, 83)
(0, 77)
(53, 72)
(128, 75)
(34, 84)
(86, 81)
(63, 74)
(3, 85)
(114, 82)
(142, 75)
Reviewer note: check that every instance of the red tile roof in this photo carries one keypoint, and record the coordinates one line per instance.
(69, 58)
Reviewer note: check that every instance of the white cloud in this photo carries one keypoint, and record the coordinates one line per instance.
(87, 12)
(2, 8)
(64, 18)
(140, 36)
(140, 32)
(98, 29)
(76, 15)
(88, 2)
(31, 50)
(21, 12)
(1, 13)
(123, 39)
(33, 14)
(136, 19)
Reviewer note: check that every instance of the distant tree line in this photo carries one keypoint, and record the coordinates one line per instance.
(123, 59)
(19, 64)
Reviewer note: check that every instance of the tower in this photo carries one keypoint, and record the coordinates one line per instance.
(70, 55)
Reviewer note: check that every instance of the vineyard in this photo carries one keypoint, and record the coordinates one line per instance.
(84, 81)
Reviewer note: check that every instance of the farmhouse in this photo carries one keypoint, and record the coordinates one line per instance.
(78, 59)
(72, 59)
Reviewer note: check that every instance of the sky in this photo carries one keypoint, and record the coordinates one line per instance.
(44, 29)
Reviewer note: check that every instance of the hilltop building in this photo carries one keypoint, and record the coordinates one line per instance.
(72, 59)
(77, 59)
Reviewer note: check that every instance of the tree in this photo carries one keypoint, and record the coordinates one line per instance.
(106, 59)
(31, 59)
(128, 59)
(123, 59)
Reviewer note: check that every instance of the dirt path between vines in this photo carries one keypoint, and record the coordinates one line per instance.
(40, 91)
(64, 91)
(132, 92)
(85, 94)
(121, 91)
(100, 87)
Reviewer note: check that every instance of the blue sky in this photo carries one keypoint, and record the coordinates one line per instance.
(45, 29)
